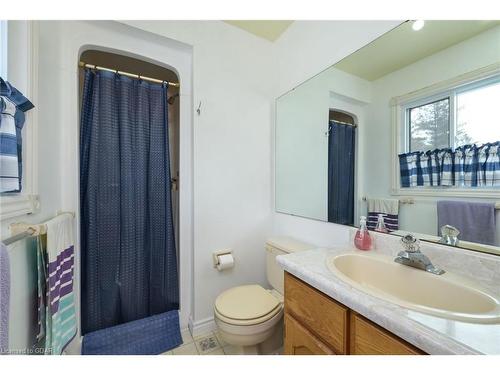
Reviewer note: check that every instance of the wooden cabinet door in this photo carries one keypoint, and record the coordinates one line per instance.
(299, 341)
(369, 338)
(323, 316)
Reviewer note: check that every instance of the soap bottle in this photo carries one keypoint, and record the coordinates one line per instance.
(362, 239)
(381, 225)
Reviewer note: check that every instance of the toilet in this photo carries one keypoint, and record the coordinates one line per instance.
(248, 315)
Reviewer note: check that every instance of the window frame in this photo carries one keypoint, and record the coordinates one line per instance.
(26, 201)
(400, 128)
(452, 96)
(425, 101)
(3, 49)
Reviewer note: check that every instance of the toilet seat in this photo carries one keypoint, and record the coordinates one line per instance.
(247, 305)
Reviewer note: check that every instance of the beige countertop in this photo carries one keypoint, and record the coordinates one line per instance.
(432, 334)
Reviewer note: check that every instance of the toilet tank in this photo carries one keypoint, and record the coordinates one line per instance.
(278, 246)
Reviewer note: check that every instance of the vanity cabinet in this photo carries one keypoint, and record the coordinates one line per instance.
(317, 324)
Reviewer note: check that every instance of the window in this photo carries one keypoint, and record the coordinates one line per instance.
(3, 49)
(22, 37)
(477, 115)
(429, 125)
(461, 116)
(446, 137)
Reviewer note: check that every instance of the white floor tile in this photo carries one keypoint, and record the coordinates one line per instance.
(186, 337)
(216, 352)
(233, 350)
(220, 340)
(167, 353)
(207, 344)
(188, 349)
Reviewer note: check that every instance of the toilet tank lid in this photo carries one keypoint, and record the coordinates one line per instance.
(289, 244)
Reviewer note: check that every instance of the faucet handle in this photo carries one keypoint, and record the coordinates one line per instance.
(410, 243)
(449, 235)
(449, 230)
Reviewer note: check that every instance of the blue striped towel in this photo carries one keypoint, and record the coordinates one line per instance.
(9, 161)
(389, 208)
(60, 317)
(13, 104)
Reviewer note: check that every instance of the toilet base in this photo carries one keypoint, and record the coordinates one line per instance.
(267, 341)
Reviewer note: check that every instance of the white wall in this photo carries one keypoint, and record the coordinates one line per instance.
(303, 51)
(301, 151)
(469, 55)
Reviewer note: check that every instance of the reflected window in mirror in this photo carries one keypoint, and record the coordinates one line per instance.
(19, 85)
(429, 125)
(450, 139)
(3, 49)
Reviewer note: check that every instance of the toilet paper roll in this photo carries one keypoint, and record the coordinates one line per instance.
(225, 261)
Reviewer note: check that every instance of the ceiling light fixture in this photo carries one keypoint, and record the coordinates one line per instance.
(418, 25)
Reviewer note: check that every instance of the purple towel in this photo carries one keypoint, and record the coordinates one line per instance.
(475, 221)
(4, 299)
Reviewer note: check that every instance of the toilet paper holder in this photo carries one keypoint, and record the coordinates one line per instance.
(218, 253)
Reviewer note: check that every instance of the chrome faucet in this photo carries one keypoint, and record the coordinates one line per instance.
(412, 257)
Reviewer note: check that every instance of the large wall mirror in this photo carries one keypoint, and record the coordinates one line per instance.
(405, 131)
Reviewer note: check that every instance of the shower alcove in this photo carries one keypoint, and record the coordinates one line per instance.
(127, 113)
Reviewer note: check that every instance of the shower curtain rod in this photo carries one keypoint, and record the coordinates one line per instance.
(82, 64)
(344, 123)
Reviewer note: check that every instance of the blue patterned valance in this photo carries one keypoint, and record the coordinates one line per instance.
(467, 166)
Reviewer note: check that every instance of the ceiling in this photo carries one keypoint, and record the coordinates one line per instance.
(270, 30)
(404, 46)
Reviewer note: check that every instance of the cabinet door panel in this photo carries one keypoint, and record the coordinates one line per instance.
(323, 316)
(300, 341)
(368, 338)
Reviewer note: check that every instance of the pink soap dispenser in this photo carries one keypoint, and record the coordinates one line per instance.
(362, 239)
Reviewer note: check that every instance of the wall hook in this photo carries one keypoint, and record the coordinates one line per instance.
(198, 110)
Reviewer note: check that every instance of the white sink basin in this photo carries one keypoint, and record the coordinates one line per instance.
(447, 295)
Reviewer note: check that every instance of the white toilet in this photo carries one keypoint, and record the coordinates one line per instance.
(248, 315)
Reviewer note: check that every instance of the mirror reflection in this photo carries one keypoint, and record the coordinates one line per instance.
(404, 132)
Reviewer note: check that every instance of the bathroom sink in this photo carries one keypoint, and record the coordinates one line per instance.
(449, 296)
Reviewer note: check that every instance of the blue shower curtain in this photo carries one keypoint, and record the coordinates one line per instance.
(129, 265)
(341, 151)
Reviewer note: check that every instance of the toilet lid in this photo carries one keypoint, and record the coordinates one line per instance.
(246, 302)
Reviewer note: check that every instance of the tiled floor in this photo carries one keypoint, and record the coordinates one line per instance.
(209, 344)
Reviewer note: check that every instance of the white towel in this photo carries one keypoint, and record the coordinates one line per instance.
(384, 206)
(389, 208)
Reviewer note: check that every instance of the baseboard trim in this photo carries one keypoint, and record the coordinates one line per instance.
(202, 327)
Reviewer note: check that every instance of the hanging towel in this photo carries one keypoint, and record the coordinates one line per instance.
(9, 158)
(152, 335)
(389, 208)
(13, 106)
(60, 318)
(41, 264)
(475, 221)
(4, 299)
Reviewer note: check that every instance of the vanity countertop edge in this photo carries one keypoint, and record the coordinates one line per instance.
(431, 334)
